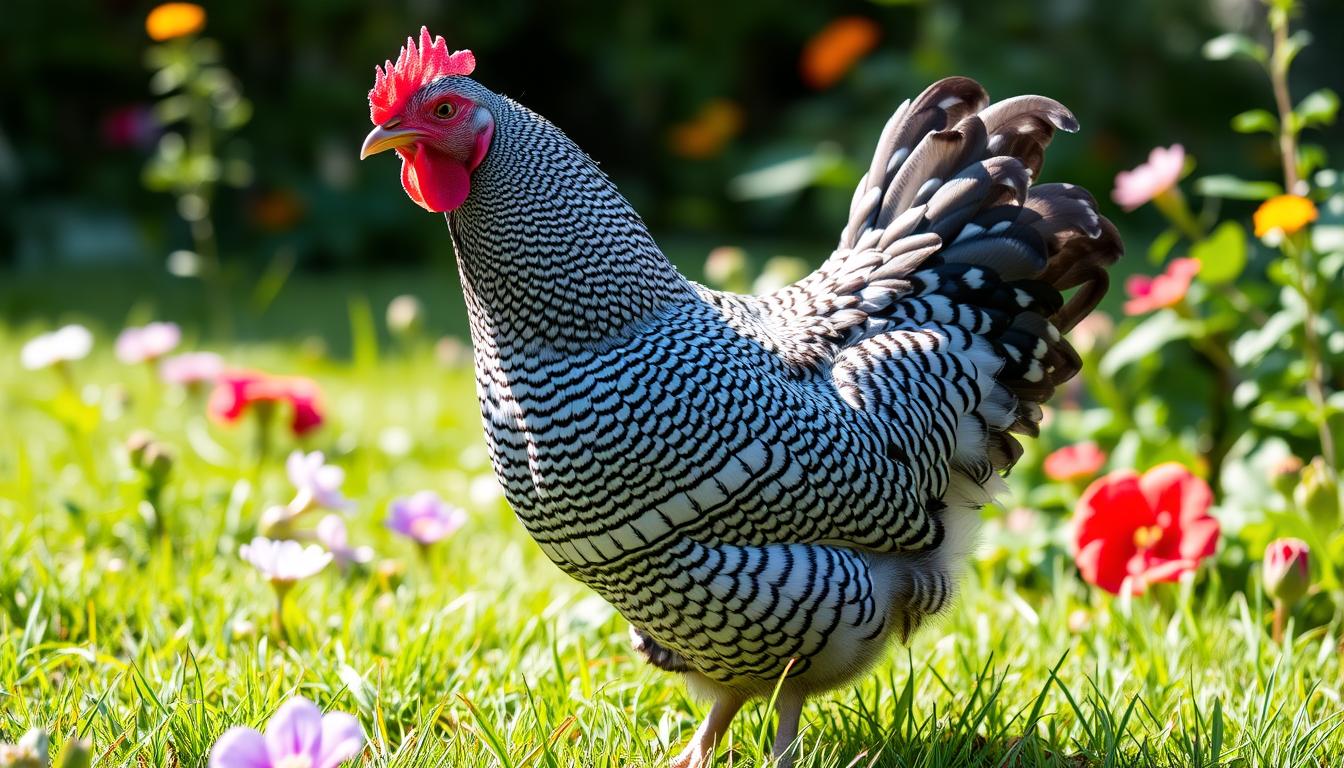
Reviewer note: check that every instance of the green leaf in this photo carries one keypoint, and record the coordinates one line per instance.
(1222, 255)
(1296, 42)
(1317, 108)
(1250, 347)
(1162, 245)
(1145, 339)
(1310, 158)
(1227, 46)
(1233, 188)
(1254, 120)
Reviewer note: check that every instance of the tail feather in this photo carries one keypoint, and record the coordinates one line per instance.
(947, 210)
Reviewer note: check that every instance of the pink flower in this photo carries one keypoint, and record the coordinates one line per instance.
(1150, 179)
(192, 368)
(1132, 530)
(147, 343)
(1074, 462)
(298, 735)
(1167, 289)
(424, 517)
(332, 534)
(1287, 570)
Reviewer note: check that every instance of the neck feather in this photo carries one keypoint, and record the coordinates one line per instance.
(550, 254)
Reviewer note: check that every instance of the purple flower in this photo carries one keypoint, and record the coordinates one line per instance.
(70, 343)
(284, 562)
(317, 482)
(331, 532)
(424, 517)
(298, 736)
(192, 368)
(147, 343)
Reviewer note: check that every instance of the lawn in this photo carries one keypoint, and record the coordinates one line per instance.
(151, 640)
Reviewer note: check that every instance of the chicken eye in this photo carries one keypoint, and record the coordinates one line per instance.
(445, 110)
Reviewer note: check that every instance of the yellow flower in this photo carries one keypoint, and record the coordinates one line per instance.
(174, 20)
(1288, 213)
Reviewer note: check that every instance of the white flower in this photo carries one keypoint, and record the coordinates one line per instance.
(331, 532)
(404, 315)
(284, 562)
(317, 483)
(72, 342)
(150, 342)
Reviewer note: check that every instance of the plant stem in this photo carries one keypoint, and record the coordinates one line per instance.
(1278, 78)
(278, 618)
(1280, 619)
(1299, 252)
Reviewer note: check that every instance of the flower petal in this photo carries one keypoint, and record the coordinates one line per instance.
(295, 729)
(1199, 538)
(1112, 507)
(1174, 489)
(342, 739)
(1102, 562)
(1166, 570)
(240, 747)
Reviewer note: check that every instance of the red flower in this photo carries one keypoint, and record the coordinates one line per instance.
(1074, 462)
(237, 390)
(1149, 293)
(1132, 531)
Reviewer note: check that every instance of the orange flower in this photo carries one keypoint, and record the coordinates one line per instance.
(835, 50)
(174, 20)
(706, 134)
(277, 210)
(1288, 213)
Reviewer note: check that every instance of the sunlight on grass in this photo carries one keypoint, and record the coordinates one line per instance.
(484, 654)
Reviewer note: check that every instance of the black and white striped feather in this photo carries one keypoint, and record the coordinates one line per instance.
(755, 479)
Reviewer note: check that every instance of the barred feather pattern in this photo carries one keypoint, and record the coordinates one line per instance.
(759, 481)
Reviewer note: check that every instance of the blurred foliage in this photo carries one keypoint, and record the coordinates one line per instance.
(686, 104)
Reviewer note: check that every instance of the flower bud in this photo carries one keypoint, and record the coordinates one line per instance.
(157, 464)
(1285, 473)
(405, 315)
(1287, 572)
(136, 445)
(1317, 495)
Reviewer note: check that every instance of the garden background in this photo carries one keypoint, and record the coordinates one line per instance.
(211, 179)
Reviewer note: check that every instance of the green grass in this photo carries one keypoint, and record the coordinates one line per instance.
(485, 654)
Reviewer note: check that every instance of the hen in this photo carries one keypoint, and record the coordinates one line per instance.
(766, 487)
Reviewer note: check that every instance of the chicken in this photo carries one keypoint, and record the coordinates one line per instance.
(768, 488)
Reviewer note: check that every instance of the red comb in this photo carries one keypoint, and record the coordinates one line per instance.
(393, 84)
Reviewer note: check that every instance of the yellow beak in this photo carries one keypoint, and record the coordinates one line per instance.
(383, 138)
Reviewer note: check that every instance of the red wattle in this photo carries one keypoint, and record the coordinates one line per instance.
(435, 181)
